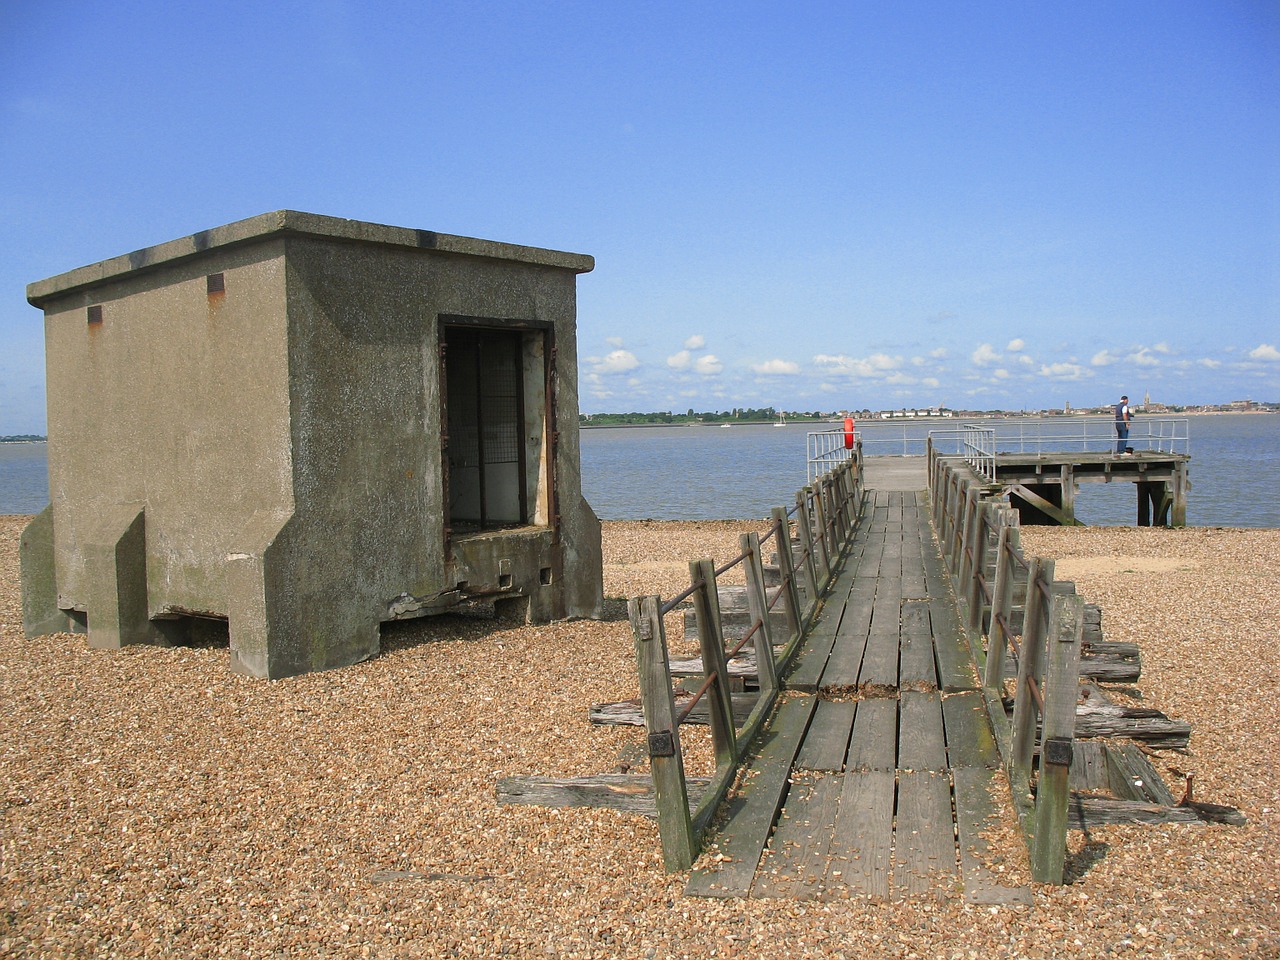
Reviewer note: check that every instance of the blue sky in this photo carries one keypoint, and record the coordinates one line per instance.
(806, 205)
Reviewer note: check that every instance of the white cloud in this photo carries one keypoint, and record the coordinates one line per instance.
(614, 341)
(777, 368)
(1264, 351)
(1001, 374)
(1064, 371)
(938, 353)
(875, 366)
(709, 365)
(930, 382)
(1142, 358)
(1209, 362)
(695, 342)
(1026, 360)
(678, 361)
(984, 354)
(617, 361)
(1016, 345)
(1104, 358)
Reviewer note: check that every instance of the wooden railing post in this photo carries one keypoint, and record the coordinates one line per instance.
(955, 509)
(706, 607)
(840, 507)
(824, 509)
(666, 763)
(1061, 686)
(810, 514)
(984, 524)
(758, 604)
(964, 536)
(1001, 604)
(796, 620)
(809, 561)
(1031, 652)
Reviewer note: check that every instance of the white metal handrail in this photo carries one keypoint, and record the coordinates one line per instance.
(1058, 434)
(972, 442)
(826, 451)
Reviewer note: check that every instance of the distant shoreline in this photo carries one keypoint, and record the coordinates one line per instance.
(896, 420)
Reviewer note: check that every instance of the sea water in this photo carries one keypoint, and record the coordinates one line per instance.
(743, 471)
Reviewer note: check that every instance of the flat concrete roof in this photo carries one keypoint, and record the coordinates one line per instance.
(295, 223)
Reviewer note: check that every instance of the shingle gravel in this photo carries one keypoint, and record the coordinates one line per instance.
(153, 804)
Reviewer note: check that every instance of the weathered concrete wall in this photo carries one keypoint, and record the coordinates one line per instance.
(177, 402)
(271, 453)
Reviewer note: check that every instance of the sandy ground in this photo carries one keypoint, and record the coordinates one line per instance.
(152, 804)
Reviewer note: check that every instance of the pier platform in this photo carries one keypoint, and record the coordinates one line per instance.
(1043, 485)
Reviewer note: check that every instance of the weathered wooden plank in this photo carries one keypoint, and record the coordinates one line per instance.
(956, 670)
(970, 742)
(1105, 661)
(863, 836)
(1089, 813)
(975, 811)
(810, 661)
(880, 660)
(921, 743)
(1089, 770)
(742, 667)
(924, 844)
(915, 523)
(827, 741)
(845, 661)
(629, 713)
(752, 809)
(916, 667)
(1092, 629)
(1134, 723)
(1132, 777)
(874, 744)
(629, 793)
(795, 864)
(735, 623)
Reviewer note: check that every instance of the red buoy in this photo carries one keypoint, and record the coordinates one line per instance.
(848, 433)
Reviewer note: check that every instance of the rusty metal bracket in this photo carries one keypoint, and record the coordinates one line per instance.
(662, 744)
(1058, 751)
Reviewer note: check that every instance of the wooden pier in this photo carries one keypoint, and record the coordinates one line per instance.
(861, 750)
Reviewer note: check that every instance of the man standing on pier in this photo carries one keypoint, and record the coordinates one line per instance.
(1122, 425)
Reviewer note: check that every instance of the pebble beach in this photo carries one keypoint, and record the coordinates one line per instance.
(153, 804)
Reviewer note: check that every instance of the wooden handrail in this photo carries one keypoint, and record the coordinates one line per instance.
(970, 523)
(837, 496)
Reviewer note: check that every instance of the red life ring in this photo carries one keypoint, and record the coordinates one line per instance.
(848, 433)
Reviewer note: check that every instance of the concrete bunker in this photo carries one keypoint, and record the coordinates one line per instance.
(307, 427)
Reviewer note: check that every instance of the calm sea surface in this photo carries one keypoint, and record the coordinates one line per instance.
(711, 473)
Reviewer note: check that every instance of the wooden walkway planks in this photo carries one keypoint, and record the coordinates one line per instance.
(884, 752)
(752, 809)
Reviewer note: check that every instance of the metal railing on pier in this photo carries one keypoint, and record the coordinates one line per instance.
(828, 449)
(971, 442)
(908, 436)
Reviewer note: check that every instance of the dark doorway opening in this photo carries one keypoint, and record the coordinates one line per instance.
(484, 397)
